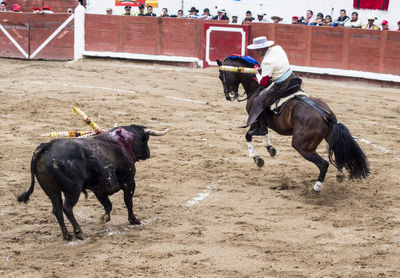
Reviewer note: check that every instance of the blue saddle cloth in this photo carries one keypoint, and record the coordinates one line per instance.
(246, 58)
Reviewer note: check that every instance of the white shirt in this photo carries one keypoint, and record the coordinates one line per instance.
(354, 24)
(275, 63)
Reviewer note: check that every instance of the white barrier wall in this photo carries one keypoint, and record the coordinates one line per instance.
(283, 8)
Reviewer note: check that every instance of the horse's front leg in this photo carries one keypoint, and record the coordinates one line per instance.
(267, 143)
(252, 153)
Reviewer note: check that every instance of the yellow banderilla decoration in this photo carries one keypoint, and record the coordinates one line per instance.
(86, 119)
(238, 69)
(66, 134)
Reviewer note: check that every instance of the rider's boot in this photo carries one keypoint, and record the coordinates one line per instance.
(260, 127)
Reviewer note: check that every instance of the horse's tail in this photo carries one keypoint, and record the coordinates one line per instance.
(24, 197)
(344, 152)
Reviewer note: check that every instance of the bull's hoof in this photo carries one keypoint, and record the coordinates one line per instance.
(259, 161)
(271, 150)
(67, 236)
(79, 235)
(134, 221)
(105, 218)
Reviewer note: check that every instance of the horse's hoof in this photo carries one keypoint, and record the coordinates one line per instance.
(105, 218)
(259, 161)
(134, 221)
(340, 178)
(317, 188)
(314, 192)
(271, 150)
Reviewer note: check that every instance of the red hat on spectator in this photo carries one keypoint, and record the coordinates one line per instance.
(36, 9)
(296, 17)
(16, 8)
(385, 22)
(46, 8)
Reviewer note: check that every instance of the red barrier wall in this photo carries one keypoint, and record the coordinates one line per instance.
(327, 47)
(17, 25)
(143, 35)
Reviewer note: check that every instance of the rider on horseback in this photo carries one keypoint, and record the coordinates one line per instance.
(275, 69)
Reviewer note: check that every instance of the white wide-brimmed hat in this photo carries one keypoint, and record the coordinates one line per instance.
(260, 42)
(260, 13)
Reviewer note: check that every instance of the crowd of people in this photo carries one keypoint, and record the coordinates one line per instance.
(309, 19)
(17, 8)
(319, 20)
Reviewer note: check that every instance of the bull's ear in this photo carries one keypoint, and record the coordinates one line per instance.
(219, 63)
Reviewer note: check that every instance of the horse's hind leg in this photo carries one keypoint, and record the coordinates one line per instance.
(311, 155)
(252, 153)
(267, 143)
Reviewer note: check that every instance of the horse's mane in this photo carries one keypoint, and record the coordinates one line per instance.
(247, 60)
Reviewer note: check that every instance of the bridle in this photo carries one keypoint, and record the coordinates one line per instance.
(233, 95)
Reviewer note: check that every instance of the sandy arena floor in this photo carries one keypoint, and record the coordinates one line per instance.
(247, 222)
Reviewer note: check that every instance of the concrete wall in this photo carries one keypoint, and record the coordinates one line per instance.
(283, 8)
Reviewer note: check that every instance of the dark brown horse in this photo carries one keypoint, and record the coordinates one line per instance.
(307, 120)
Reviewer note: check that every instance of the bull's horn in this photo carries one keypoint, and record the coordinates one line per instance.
(155, 132)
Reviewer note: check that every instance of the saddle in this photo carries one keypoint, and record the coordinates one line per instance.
(294, 89)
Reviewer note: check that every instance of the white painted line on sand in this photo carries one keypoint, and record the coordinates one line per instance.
(187, 100)
(110, 231)
(201, 196)
(81, 86)
(380, 148)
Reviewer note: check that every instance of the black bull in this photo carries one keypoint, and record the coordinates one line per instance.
(104, 164)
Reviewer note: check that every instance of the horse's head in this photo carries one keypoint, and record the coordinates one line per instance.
(232, 80)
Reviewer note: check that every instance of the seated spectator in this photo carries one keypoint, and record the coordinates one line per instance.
(16, 8)
(308, 19)
(193, 13)
(150, 11)
(319, 20)
(180, 14)
(3, 7)
(36, 10)
(46, 10)
(354, 22)
(276, 19)
(248, 17)
(140, 12)
(371, 25)
(398, 25)
(295, 20)
(109, 11)
(235, 19)
(342, 19)
(206, 14)
(261, 17)
(221, 15)
(127, 11)
(327, 21)
(164, 13)
(385, 25)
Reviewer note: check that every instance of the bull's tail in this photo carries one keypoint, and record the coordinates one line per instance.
(347, 153)
(24, 197)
